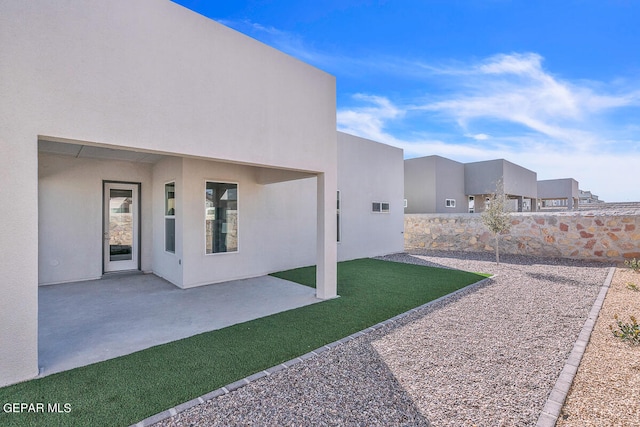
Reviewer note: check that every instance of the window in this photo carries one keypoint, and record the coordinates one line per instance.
(170, 217)
(450, 203)
(380, 207)
(221, 217)
(405, 203)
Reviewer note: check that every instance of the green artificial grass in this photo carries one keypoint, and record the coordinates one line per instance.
(125, 390)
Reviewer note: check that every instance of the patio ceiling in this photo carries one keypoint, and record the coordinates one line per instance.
(82, 151)
(264, 175)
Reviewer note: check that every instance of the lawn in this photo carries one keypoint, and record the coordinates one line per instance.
(127, 389)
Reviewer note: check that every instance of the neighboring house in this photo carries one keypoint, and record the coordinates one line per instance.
(370, 184)
(143, 136)
(558, 193)
(435, 184)
(520, 184)
(588, 198)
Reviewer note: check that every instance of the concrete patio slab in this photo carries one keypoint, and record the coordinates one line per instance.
(86, 322)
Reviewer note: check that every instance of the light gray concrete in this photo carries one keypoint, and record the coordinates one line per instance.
(86, 322)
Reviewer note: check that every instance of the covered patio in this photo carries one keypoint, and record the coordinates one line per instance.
(87, 322)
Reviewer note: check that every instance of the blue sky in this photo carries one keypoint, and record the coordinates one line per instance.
(551, 85)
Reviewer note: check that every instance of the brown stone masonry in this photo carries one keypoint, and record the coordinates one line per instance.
(603, 236)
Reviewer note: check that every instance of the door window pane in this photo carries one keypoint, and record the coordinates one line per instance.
(170, 217)
(170, 234)
(170, 199)
(221, 217)
(120, 225)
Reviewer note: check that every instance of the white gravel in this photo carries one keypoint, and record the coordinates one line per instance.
(489, 357)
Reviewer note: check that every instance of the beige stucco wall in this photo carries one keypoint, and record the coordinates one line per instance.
(18, 255)
(70, 215)
(601, 236)
(146, 75)
(276, 224)
(369, 171)
(152, 74)
(278, 229)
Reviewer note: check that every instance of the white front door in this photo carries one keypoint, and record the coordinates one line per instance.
(121, 240)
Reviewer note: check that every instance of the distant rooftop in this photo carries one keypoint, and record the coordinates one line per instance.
(621, 206)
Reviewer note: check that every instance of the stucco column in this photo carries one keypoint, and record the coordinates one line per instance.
(19, 258)
(326, 249)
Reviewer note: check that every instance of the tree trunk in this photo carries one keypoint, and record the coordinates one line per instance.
(497, 250)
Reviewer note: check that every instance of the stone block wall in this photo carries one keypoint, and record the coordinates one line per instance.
(602, 236)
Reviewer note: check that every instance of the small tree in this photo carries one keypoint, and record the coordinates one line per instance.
(495, 216)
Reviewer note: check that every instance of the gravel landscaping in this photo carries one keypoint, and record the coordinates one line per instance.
(606, 388)
(486, 357)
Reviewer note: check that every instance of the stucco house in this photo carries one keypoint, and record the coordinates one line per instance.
(143, 136)
(558, 193)
(520, 184)
(586, 197)
(435, 184)
(370, 203)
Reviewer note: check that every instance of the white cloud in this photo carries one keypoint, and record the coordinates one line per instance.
(529, 64)
(478, 136)
(369, 121)
(505, 106)
(508, 106)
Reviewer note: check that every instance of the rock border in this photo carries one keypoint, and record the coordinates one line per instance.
(552, 408)
(247, 380)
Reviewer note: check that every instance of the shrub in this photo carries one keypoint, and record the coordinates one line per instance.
(633, 286)
(633, 264)
(629, 332)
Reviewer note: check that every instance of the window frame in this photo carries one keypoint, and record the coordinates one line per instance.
(380, 207)
(204, 222)
(449, 203)
(169, 217)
